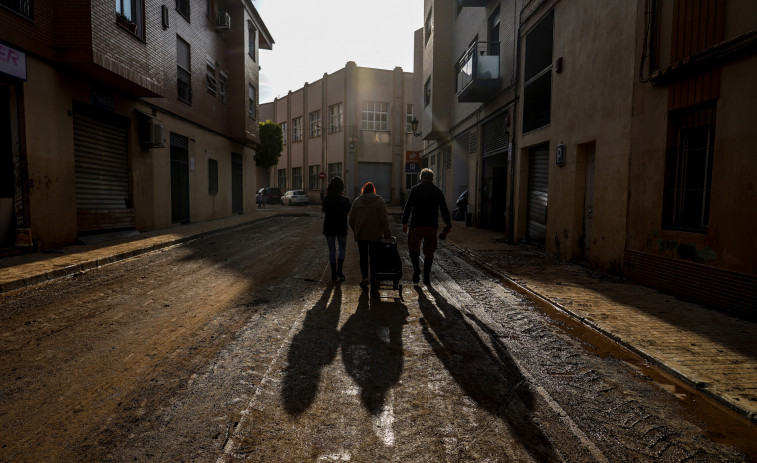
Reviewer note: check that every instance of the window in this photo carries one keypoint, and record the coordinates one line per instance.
(409, 118)
(428, 27)
(24, 7)
(537, 91)
(427, 92)
(210, 79)
(411, 179)
(296, 177)
(183, 76)
(182, 6)
(297, 130)
(222, 86)
(212, 176)
(252, 40)
(315, 124)
(313, 180)
(284, 132)
(282, 174)
(129, 13)
(252, 102)
(688, 169)
(375, 116)
(335, 170)
(336, 118)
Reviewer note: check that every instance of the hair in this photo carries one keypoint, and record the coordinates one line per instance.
(368, 188)
(427, 175)
(336, 185)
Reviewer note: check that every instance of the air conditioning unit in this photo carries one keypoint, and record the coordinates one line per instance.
(153, 134)
(224, 22)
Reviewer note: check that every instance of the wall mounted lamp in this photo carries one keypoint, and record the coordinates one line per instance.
(414, 127)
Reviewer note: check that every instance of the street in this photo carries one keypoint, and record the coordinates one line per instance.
(237, 347)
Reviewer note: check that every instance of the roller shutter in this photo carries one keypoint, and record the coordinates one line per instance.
(378, 173)
(102, 173)
(538, 181)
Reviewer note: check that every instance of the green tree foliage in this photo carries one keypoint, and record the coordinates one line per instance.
(271, 145)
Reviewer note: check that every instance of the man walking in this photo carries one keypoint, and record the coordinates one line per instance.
(422, 211)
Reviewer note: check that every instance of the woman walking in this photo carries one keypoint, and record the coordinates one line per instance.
(336, 206)
(369, 222)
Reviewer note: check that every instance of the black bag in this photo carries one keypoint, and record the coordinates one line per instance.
(386, 260)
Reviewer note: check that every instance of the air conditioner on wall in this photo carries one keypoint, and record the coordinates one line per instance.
(153, 134)
(224, 22)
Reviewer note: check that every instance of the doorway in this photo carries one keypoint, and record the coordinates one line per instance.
(588, 209)
(179, 179)
(237, 188)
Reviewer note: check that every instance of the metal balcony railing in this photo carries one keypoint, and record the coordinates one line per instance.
(22, 7)
(478, 74)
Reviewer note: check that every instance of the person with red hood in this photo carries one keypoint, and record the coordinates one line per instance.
(369, 222)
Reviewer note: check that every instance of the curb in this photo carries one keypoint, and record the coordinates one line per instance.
(542, 300)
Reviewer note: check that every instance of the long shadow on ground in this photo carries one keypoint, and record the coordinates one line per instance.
(491, 379)
(312, 349)
(372, 349)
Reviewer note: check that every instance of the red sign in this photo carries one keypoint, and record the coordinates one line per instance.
(412, 161)
(322, 175)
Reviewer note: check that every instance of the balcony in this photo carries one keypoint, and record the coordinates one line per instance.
(478, 77)
(22, 7)
(464, 3)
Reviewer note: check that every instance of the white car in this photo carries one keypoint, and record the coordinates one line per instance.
(293, 197)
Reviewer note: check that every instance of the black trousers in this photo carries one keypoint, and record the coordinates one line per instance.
(367, 250)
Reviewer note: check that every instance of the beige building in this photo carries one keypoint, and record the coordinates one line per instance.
(147, 119)
(611, 133)
(354, 123)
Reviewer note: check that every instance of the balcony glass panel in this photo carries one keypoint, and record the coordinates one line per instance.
(478, 72)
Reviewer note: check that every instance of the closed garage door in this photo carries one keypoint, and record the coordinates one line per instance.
(102, 172)
(538, 181)
(378, 173)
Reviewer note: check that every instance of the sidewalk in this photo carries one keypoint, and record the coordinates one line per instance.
(713, 352)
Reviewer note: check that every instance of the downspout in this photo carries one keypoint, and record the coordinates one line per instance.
(510, 234)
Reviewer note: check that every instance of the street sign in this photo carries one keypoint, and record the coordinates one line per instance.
(322, 175)
(412, 161)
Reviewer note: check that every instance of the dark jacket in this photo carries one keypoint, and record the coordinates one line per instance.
(336, 209)
(368, 218)
(423, 205)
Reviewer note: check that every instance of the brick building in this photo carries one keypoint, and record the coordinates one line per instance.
(133, 116)
(355, 124)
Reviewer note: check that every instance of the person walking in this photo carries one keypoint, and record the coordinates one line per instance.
(422, 211)
(369, 222)
(336, 207)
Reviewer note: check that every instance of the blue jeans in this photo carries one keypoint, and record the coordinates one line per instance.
(332, 240)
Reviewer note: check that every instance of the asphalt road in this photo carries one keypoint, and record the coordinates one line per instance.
(237, 347)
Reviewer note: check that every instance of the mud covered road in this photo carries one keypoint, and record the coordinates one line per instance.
(237, 347)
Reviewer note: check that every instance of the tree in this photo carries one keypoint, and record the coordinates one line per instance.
(271, 145)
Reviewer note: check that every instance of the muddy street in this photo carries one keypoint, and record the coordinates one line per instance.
(237, 347)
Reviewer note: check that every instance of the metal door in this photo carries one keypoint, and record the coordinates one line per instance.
(179, 179)
(237, 185)
(588, 200)
(538, 187)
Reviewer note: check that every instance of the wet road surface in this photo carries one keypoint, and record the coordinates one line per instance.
(237, 347)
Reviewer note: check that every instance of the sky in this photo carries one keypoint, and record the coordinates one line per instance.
(316, 37)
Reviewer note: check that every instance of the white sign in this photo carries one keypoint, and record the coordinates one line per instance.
(12, 62)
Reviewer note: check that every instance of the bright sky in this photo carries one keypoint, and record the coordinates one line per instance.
(314, 37)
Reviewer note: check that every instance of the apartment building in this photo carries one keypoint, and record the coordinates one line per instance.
(467, 53)
(354, 123)
(611, 134)
(129, 116)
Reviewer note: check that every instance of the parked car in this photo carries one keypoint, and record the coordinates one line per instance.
(273, 195)
(294, 197)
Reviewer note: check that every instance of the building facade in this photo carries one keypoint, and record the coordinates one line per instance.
(467, 53)
(133, 116)
(611, 134)
(355, 124)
